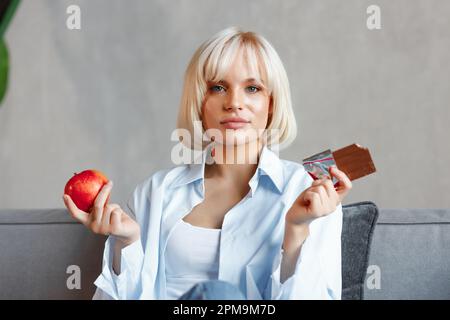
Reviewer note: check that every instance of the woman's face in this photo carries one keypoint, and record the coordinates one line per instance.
(239, 94)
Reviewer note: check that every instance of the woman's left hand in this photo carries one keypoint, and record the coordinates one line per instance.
(320, 199)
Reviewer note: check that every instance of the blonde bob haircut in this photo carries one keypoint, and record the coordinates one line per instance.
(210, 63)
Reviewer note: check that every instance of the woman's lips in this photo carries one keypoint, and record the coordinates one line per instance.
(234, 125)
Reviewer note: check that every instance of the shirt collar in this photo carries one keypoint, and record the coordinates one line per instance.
(195, 170)
(269, 164)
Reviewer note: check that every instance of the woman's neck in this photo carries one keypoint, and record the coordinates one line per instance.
(236, 163)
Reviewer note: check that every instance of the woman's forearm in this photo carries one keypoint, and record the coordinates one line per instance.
(294, 236)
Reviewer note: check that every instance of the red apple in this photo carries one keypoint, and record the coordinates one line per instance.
(84, 187)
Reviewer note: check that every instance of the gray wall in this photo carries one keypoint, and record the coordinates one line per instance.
(107, 96)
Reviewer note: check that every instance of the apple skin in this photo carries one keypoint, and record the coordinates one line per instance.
(84, 187)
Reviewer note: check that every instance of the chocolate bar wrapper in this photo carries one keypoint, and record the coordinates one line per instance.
(318, 165)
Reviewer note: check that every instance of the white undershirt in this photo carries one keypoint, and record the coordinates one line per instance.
(191, 256)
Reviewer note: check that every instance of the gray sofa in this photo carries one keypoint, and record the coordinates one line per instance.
(387, 254)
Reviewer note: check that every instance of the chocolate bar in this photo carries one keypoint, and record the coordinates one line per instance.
(354, 160)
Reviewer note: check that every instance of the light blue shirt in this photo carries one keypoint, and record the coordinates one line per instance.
(251, 239)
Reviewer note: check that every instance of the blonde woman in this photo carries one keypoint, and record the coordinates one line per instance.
(220, 229)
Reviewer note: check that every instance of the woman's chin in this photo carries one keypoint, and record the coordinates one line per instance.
(239, 141)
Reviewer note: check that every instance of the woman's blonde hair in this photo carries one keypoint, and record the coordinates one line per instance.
(210, 63)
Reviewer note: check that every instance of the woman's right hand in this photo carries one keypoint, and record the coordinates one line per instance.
(106, 219)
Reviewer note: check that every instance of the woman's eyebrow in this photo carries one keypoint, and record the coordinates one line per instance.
(259, 81)
(218, 82)
(224, 82)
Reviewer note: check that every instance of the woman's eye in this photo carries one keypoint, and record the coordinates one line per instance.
(252, 89)
(217, 88)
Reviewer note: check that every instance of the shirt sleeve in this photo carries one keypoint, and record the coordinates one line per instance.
(317, 272)
(126, 285)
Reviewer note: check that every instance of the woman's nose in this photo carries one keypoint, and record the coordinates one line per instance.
(233, 102)
(233, 106)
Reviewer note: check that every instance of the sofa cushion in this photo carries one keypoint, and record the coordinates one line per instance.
(359, 220)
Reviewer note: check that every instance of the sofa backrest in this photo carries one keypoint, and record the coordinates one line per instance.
(45, 254)
(410, 255)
